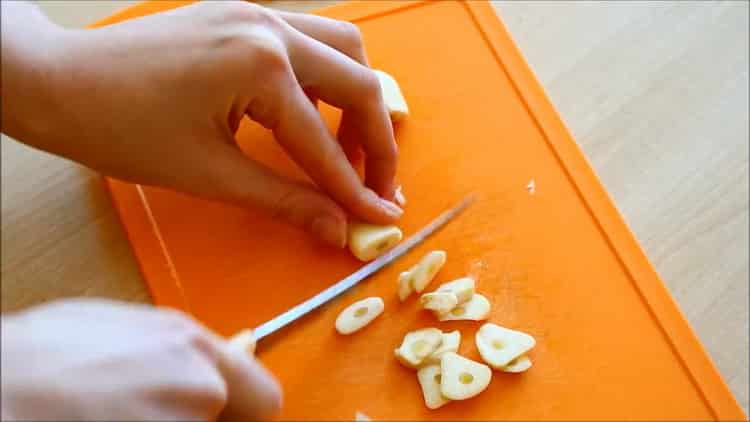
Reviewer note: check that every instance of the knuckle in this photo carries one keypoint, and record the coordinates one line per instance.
(264, 112)
(270, 58)
(267, 53)
(187, 334)
(350, 31)
(208, 390)
(178, 322)
(362, 196)
(370, 84)
(258, 43)
(388, 152)
(301, 208)
(352, 38)
(214, 397)
(255, 53)
(247, 12)
(285, 203)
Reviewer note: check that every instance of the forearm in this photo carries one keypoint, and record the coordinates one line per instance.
(30, 55)
(157, 100)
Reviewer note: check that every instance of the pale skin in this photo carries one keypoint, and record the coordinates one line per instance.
(157, 101)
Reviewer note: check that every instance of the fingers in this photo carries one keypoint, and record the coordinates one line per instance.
(253, 393)
(342, 36)
(348, 135)
(346, 38)
(237, 179)
(380, 165)
(302, 133)
(344, 83)
(280, 104)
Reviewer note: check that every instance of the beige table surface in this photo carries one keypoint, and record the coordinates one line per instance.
(655, 92)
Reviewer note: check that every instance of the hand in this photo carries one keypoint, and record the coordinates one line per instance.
(157, 101)
(99, 360)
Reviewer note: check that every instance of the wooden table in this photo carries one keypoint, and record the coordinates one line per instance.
(655, 92)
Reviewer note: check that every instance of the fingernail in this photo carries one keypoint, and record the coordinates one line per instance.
(399, 197)
(330, 230)
(392, 209)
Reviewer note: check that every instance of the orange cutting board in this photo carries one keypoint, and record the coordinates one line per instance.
(558, 263)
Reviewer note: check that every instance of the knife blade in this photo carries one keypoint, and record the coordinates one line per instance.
(298, 311)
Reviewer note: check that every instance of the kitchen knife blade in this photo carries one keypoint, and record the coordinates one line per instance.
(345, 284)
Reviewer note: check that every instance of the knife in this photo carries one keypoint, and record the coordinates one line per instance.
(246, 339)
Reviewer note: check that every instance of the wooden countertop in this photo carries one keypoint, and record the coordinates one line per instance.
(656, 93)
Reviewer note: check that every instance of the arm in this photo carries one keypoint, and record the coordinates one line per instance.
(101, 360)
(28, 59)
(92, 95)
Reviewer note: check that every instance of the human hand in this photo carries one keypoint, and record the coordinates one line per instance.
(157, 101)
(102, 360)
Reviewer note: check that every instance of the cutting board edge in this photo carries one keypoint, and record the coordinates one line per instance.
(657, 298)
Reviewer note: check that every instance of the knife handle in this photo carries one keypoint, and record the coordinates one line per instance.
(243, 340)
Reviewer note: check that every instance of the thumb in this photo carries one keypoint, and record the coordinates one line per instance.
(253, 393)
(235, 178)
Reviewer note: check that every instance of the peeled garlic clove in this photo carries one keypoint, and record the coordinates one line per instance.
(392, 97)
(359, 314)
(498, 345)
(462, 378)
(417, 345)
(368, 241)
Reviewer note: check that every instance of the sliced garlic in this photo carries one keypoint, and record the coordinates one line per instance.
(420, 275)
(450, 343)
(498, 345)
(404, 286)
(429, 380)
(519, 364)
(462, 378)
(476, 309)
(440, 302)
(359, 314)
(463, 288)
(417, 345)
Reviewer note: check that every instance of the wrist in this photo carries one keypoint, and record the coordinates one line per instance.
(33, 53)
(8, 354)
